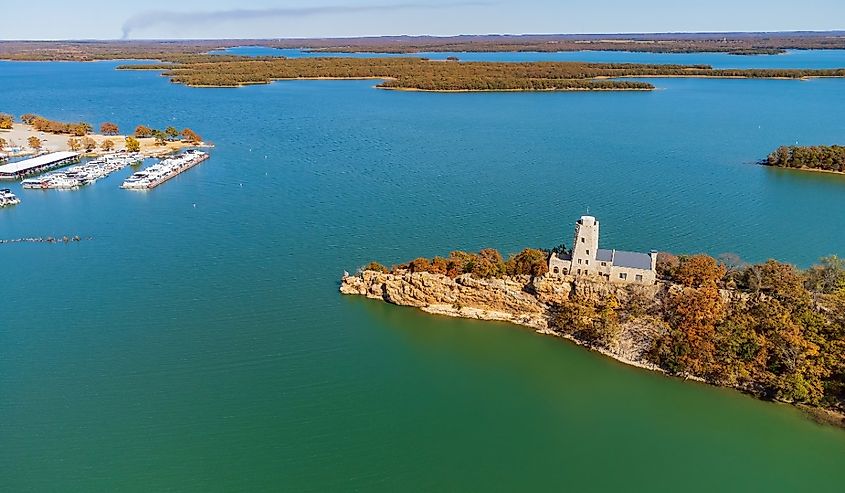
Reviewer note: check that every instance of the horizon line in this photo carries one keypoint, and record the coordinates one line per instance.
(442, 36)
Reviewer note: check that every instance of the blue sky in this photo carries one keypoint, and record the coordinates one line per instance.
(62, 19)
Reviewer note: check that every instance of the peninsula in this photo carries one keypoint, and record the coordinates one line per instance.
(770, 329)
(36, 135)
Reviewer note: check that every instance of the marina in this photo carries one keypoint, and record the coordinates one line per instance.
(83, 174)
(7, 198)
(37, 165)
(159, 173)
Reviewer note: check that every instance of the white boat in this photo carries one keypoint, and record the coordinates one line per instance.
(7, 198)
(83, 174)
(36, 183)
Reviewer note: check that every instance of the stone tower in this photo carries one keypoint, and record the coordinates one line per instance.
(585, 245)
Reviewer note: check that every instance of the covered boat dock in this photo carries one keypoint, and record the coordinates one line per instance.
(36, 165)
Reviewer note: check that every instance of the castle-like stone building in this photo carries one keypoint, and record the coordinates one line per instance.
(587, 259)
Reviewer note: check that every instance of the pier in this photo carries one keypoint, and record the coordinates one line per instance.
(159, 173)
(36, 165)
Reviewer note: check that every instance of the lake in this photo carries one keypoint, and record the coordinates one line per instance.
(198, 342)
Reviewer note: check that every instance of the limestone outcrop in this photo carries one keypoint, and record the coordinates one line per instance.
(524, 300)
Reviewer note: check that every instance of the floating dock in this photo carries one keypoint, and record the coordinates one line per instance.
(159, 173)
(37, 165)
(7, 198)
(83, 174)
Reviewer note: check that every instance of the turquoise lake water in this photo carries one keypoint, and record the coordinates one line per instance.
(198, 341)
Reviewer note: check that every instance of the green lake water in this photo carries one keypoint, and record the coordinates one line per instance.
(198, 342)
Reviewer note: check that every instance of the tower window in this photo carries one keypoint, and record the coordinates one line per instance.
(579, 260)
(582, 239)
(639, 277)
(557, 270)
(587, 262)
(604, 264)
(623, 275)
(588, 252)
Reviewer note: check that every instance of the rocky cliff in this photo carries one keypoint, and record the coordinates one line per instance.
(522, 300)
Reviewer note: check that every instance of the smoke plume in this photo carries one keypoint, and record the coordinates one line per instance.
(150, 19)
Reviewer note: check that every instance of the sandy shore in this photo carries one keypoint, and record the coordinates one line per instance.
(20, 134)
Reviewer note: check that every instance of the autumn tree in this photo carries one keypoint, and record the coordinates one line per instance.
(34, 142)
(132, 144)
(109, 128)
(529, 262)
(489, 263)
(142, 131)
(667, 264)
(6, 121)
(828, 276)
(460, 262)
(689, 348)
(781, 281)
(699, 271)
(107, 145)
(2, 143)
(439, 265)
(171, 133)
(419, 265)
(28, 118)
(79, 129)
(74, 144)
(89, 144)
(189, 135)
(377, 267)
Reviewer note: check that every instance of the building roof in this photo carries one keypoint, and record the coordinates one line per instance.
(632, 260)
(603, 255)
(35, 162)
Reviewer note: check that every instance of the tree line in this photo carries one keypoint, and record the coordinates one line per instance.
(736, 43)
(827, 158)
(768, 329)
(485, 264)
(422, 74)
(169, 134)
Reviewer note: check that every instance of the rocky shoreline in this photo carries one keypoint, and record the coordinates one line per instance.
(523, 300)
(533, 301)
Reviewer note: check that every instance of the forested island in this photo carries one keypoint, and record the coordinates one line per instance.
(815, 158)
(428, 75)
(735, 43)
(770, 329)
